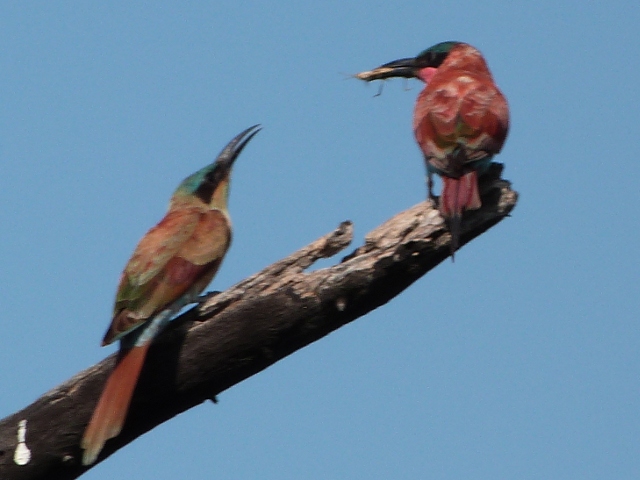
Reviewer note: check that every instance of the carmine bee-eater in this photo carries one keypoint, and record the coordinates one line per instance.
(460, 121)
(170, 267)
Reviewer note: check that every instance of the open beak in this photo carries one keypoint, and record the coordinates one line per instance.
(234, 147)
(405, 67)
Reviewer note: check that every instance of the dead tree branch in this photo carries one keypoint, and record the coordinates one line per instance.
(236, 334)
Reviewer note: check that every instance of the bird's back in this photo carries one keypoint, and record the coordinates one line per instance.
(178, 256)
(460, 110)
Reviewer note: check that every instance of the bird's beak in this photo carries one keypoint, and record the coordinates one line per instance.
(405, 67)
(229, 153)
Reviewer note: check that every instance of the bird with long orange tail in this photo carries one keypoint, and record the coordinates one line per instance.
(460, 121)
(171, 266)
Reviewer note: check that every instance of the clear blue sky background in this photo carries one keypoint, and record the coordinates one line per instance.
(518, 361)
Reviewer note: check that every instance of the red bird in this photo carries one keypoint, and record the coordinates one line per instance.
(461, 120)
(172, 264)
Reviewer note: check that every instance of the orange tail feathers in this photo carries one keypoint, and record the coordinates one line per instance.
(458, 195)
(111, 410)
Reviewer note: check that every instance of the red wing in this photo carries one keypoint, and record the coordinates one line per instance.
(435, 117)
(160, 244)
(181, 253)
(460, 110)
(176, 279)
(484, 118)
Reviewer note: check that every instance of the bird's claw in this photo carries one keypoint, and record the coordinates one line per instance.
(207, 296)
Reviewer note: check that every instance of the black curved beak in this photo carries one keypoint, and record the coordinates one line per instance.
(405, 67)
(233, 149)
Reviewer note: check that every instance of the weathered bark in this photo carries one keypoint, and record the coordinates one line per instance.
(239, 332)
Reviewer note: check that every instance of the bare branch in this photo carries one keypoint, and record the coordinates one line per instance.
(236, 334)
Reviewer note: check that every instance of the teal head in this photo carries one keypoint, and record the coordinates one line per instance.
(211, 183)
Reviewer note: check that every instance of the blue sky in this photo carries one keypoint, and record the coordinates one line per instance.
(518, 361)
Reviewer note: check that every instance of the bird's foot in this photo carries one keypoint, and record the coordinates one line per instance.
(207, 296)
(430, 194)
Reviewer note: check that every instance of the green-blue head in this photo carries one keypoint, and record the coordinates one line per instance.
(211, 183)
